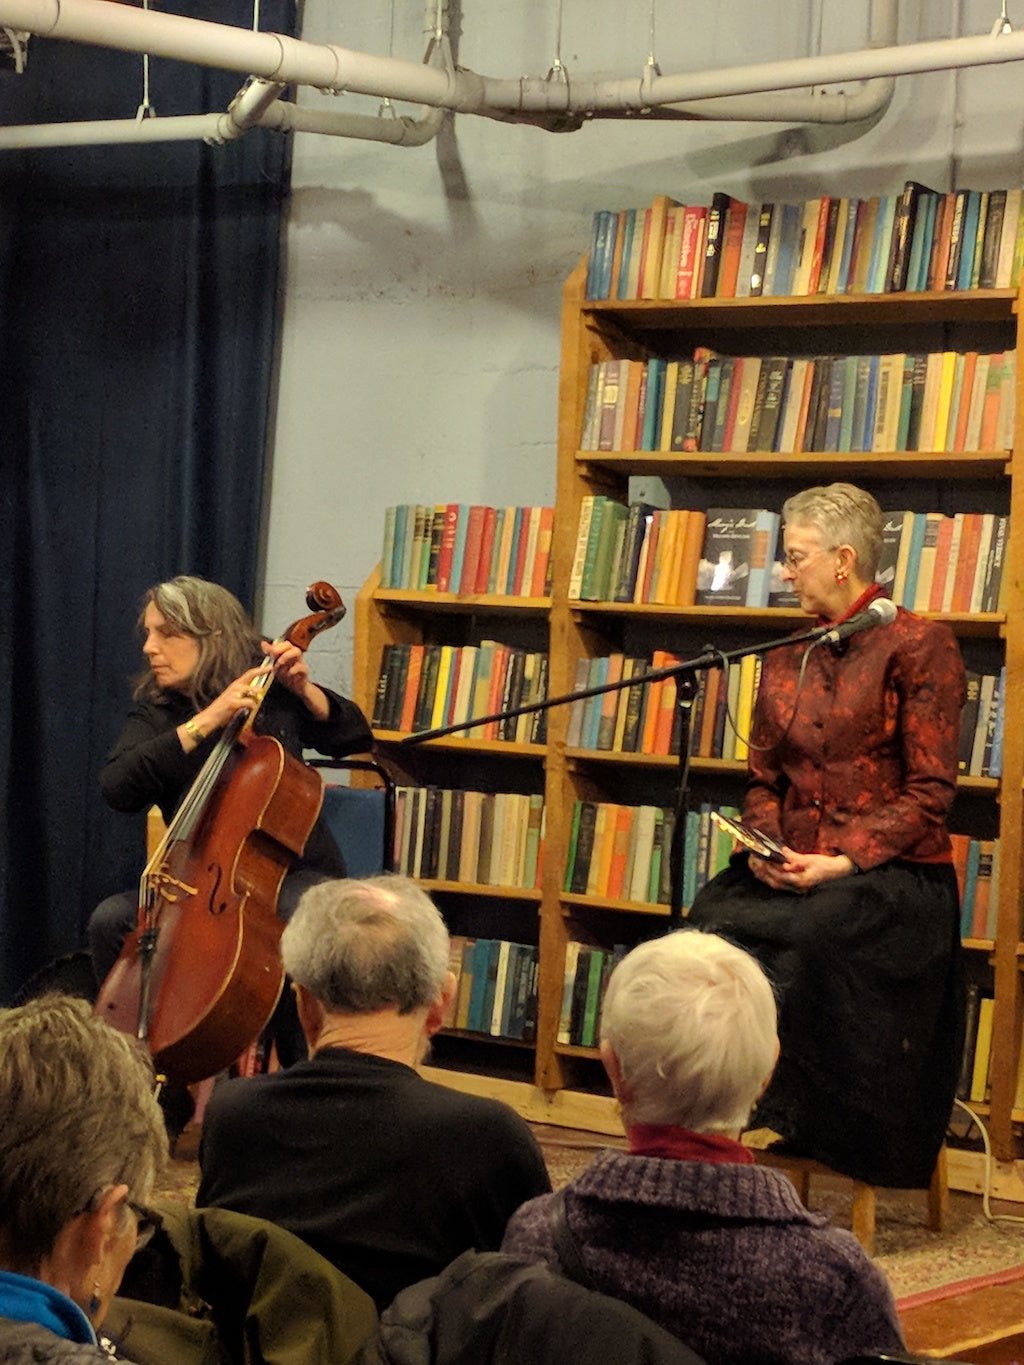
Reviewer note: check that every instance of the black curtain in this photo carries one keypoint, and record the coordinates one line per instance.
(138, 308)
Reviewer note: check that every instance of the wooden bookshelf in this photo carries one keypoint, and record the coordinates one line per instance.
(565, 1077)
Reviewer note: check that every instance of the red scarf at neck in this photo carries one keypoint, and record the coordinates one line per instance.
(681, 1144)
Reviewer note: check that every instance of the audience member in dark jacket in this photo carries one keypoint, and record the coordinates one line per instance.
(385, 1174)
(684, 1226)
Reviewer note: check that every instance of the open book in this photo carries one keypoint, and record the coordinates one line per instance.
(758, 842)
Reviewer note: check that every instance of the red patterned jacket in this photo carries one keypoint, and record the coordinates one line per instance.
(868, 766)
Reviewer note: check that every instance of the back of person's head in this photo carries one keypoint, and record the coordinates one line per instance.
(691, 1019)
(360, 946)
(77, 1116)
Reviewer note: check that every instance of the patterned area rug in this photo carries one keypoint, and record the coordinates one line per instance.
(914, 1258)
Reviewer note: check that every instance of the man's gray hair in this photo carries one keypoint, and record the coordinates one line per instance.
(692, 1021)
(844, 515)
(77, 1116)
(360, 946)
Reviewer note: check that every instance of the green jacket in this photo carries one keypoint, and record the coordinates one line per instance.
(221, 1288)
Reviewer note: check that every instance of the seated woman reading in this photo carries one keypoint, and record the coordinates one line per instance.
(684, 1226)
(852, 767)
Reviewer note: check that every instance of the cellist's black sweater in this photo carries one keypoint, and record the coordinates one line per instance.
(147, 766)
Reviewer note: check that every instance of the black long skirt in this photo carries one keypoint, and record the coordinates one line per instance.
(868, 974)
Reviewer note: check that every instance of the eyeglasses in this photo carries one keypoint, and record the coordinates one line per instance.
(148, 1223)
(794, 561)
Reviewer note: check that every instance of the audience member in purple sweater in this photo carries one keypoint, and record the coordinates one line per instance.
(684, 1226)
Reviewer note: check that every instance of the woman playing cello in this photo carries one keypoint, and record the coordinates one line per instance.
(202, 656)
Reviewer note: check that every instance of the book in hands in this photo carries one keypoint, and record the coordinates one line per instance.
(760, 844)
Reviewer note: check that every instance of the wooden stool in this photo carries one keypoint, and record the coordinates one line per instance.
(800, 1169)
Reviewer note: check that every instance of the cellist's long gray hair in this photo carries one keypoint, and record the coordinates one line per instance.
(217, 621)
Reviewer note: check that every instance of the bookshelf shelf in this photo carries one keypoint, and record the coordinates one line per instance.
(903, 464)
(454, 603)
(839, 311)
(618, 906)
(482, 890)
(989, 624)
(506, 748)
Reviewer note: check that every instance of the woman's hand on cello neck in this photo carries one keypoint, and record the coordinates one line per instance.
(292, 671)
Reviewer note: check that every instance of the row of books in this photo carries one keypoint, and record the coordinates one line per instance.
(497, 988)
(942, 401)
(976, 862)
(586, 973)
(645, 719)
(981, 725)
(619, 852)
(468, 548)
(975, 1065)
(638, 553)
(934, 562)
(480, 838)
(919, 239)
(732, 556)
(425, 687)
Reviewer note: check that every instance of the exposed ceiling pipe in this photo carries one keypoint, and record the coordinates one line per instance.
(257, 103)
(329, 67)
(774, 90)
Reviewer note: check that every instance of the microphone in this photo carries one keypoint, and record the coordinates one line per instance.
(880, 612)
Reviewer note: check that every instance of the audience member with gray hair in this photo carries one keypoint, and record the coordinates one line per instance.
(684, 1226)
(386, 1174)
(81, 1143)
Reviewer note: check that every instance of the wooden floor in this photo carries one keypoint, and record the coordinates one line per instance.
(984, 1326)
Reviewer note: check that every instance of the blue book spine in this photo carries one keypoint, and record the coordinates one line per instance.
(880, 246)
(652, 410)
(970, 888)
(402, 529)
(459, 548)
(692, 837)
(628, 227)
(481, 957)
(925, 205)
(517, 527)
(995, 763)
(969, 233)
(762, 557)
(597, 676)
(866, 434)
(914, 557)
(843, 278)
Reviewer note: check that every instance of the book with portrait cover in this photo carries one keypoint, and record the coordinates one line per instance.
(733, 548)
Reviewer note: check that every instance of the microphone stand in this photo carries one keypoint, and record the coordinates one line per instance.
(685, 672)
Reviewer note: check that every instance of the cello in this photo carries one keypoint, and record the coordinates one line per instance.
(198, 978)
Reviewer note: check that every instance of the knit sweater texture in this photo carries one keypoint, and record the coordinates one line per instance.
(723, 1256)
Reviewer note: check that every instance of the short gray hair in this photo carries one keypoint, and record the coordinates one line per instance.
(365, 945)
(78, 1116)
(692, 1021)
(845, 515)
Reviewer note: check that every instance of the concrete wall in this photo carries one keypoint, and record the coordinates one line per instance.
(420, 346)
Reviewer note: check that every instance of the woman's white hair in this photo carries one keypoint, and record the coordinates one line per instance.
(691, 1019)
(843, 514)
(362, 946)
